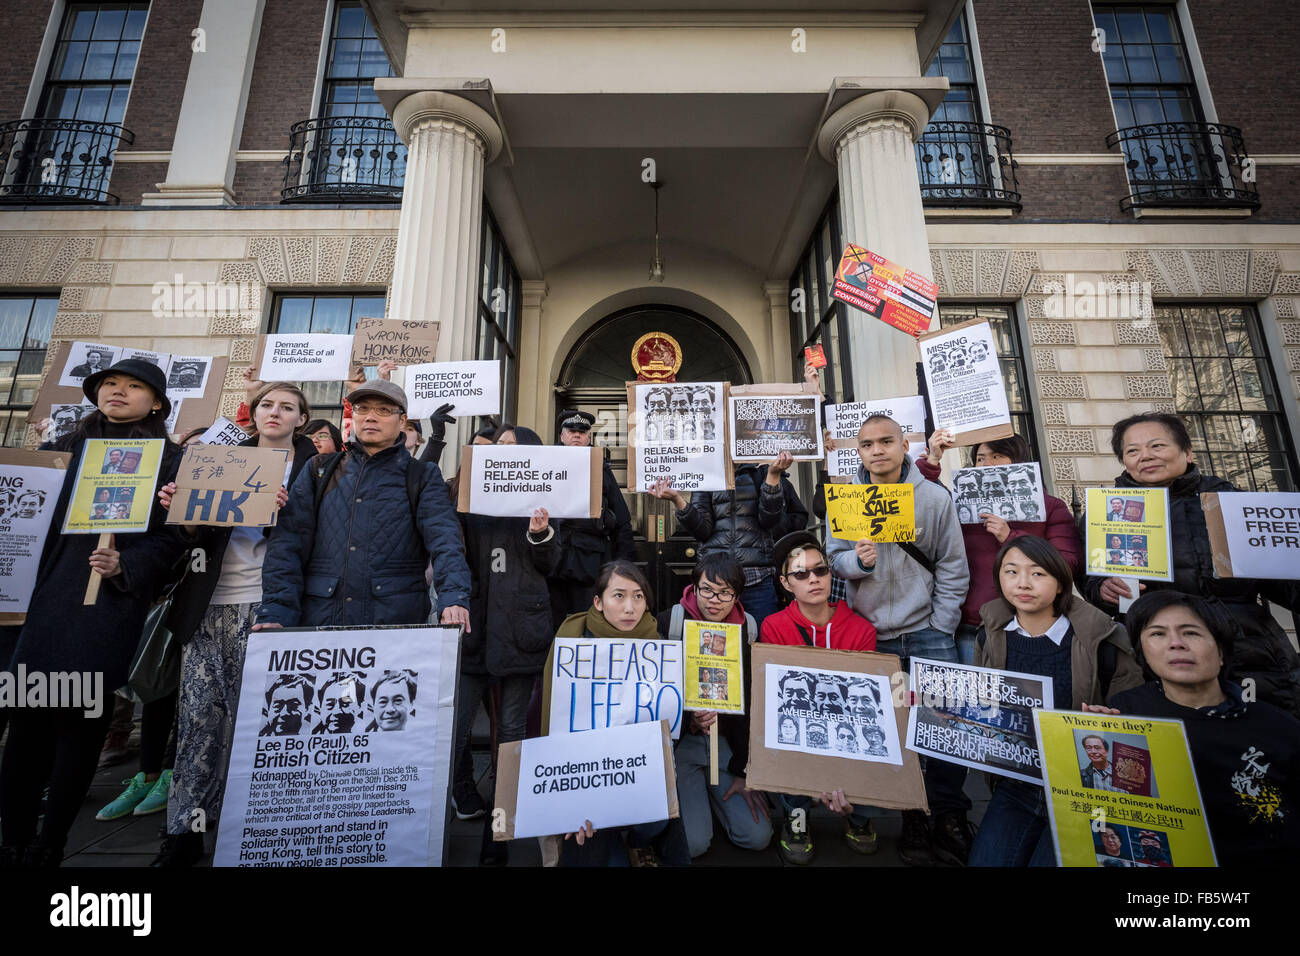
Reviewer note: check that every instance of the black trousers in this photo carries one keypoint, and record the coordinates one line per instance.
(158, 734)
(58, 747)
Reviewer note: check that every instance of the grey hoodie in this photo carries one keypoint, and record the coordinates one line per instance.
(897, 595)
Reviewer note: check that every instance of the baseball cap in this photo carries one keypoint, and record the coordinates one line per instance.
(379, 388)
(795, 539)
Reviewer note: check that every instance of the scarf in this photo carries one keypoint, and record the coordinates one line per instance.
(597, 626)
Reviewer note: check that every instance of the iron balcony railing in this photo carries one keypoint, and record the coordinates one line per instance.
(1186, 165)
(344, 159)
(58, 160)
(966, 164)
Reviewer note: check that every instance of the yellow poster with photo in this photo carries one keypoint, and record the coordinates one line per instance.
(712, 678)
(116, 480)
(1121, 791)
(880, 513)
(1128, 533)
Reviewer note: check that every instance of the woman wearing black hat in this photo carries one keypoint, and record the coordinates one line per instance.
(59, 746)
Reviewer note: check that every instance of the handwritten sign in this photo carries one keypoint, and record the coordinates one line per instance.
(228, 486)
(394, 340)
(474, 388)
(306, 357)
(880, 513)
(600, 682)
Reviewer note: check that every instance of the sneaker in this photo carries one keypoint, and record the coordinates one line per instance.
(914, 843)
(861, 839)
(951, 837)
(183, 849)
(157, 797)
(137, 788)
(468, 804)
(642, 856)
(796, 848)
(116, 749)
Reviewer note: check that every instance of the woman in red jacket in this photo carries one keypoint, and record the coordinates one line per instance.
(984, 540)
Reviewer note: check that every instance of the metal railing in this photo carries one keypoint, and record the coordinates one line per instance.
(1186, 165)
(966, 164)
(58, 160)
(344, 159)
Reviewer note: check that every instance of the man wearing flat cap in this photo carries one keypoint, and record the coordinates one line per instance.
(587, 543)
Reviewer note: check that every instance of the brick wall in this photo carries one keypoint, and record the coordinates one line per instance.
(159, 82)
(284, 74)
(24, 26)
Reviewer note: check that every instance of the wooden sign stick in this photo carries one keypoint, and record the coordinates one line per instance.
(92, 586)
(713, 752)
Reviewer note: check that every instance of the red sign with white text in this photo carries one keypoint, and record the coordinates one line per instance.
(883, 289)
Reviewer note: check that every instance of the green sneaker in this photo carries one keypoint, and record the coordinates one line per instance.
(157, 799)
(137, 788)
(861, 839)
(795, 848)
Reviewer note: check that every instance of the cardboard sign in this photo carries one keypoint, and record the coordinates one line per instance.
(305, 357)
(964, 380)
(678, 431)
(199, 405)
(886, 775)
(620, 776)
(342, 748)
(228, 486)
(1121, 791)
(879, 513)
(474, 388)
(376, 340)
(1128, 533)
(1254, 534)
(713, 676)
(30, 482)
(511, 481)
(223, 432)
(766, 420)
(116, 479)
(595, 682)
(978, 717)
(1010, 492)
(897, 296)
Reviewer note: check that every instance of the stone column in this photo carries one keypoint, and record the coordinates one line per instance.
(536, 397)
(778, 310)
(870, 141)
(436, 271)
(201, 171)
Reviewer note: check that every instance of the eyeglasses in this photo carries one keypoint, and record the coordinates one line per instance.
(380, 411)
(820, 571)
(709, 594)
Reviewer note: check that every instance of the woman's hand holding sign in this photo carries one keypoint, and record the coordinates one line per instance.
(584, 834)
(663, 490)
(106, 561)
(996, 526)
(539, 522)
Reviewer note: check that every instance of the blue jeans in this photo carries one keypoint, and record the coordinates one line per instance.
(760, 600)
(943, 780)
(967, 637)
(699, 801)
(1014, 831)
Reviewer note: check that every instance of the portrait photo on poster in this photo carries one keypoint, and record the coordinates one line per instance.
(964, 379)
(187, 376)
(679, 435)
(1118, 845)
(1010, 492)
(64, 419)
(1117, 762)
(830, 714)
(85, 359)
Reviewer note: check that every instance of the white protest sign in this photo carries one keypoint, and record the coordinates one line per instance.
(604, 682)
(306, 357)
(1254, 534)
(85, 359)
(964, 381)
(474, 388)
(342, 749)
(30, 482)
(612, 777)
(223, 432)
(845, 419)
(187, 376)
(512, 481)
(679, 433)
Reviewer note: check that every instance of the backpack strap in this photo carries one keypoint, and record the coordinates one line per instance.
(917, 555)
(677, 623)
(751, 627)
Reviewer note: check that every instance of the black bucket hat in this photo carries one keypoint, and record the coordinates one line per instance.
(795, 539)
(146, 372)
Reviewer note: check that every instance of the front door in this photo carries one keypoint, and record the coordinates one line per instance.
(593, 380)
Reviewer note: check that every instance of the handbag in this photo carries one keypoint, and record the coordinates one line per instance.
(155, 668)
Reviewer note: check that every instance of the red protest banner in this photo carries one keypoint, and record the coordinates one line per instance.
(885, 290)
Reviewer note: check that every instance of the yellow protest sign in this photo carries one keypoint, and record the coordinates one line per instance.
(712, 676)
(116, 479)
(1121, 791)
(228, 486)
(880, 513)
(1128, 533)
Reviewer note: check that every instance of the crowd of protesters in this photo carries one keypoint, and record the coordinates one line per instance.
(368, 534)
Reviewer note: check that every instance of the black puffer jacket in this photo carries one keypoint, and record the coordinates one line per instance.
(743, 523)
(1262, 651)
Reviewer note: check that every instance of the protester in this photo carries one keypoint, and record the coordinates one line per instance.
(60, 746)
(1156, 452)
(714, 595)
(325, 436)
(1038, 626)
(811, 620)
(1246, 754)
(983, 540)
(621, 609)
(359, 529)
(212, 612)
(510, 634)
(586, 544)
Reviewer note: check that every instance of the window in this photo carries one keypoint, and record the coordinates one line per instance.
(954, 60)
(330, 313)
(1146, 65)
(355, 58)
(1225, 391)
(498, 311)
(1011, 356)
(25, 326)
(815, 317)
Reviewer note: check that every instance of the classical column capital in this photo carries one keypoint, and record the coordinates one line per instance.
(777, 292)
(432, 106)
(532, 292)
(880, 108)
